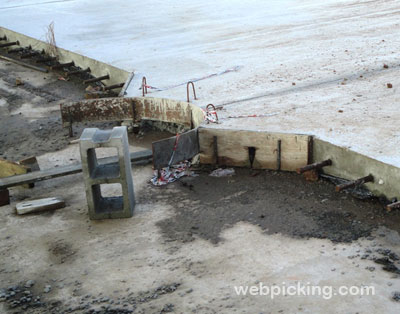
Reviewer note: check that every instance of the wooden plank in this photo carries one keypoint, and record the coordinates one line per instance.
(161, 109)
(103, 109)
(233, 148)
(65, 170)
(39, 205)
(187, 147)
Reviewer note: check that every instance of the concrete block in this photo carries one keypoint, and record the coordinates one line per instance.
(97, 174)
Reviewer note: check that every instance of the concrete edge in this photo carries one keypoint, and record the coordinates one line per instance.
(351, 165)
(98, 68)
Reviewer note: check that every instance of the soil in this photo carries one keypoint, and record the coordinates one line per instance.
(304, 210)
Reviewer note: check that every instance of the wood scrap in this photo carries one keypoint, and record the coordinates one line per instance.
(39, 205)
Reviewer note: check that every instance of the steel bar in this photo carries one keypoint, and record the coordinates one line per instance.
(392, 206)
(24, 64)
(77, 72)
(15, 50)
(316, 166)
(144, 86)
(187, 91)
(351, 184)
(62, 65)
(45, 59)
(96, 79)
(113, 86)
(13, 43)
(278, 155)
(215, 146)
(29, 54)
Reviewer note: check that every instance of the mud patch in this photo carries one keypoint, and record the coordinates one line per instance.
(277, 202)
(61, 251)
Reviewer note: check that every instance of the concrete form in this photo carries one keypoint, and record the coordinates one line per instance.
(95, 174)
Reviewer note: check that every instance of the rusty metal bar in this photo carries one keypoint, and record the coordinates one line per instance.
(392, 206)
(30, 54)
(62, 65)
(96, 79)
(278, 155)
(144, 86)
(113, 86)
(187, 91)
(45, 59)
(77, 72)
(24, 64)
(215, 145)
(341, 187)
(15, 50)
(316, 166)
(13, 43)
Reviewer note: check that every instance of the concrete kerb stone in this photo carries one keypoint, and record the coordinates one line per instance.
(96, 174)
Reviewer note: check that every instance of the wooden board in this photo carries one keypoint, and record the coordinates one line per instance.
(40, 205)
(233, 148)
(187, 147)
(65, 170)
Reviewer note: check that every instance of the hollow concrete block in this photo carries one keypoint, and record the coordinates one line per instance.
(96, 174)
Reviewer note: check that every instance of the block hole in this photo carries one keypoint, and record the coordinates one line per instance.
(111, 190)
(97, 169)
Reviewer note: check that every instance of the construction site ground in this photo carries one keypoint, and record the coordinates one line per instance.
(189, 243)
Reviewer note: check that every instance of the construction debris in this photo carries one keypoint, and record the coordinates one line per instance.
(228, 172)
(39, 205)
(172, 173)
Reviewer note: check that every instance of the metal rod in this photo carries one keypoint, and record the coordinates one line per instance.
(215, 144)
(13, 43)
(316, 166)
(25, 64)
(29, 54)
(144, 86)
(310, 156)
(15, 50)
(45, 59)
(62, 65)
(96, 79)
(392, 206)
(77, 72)
(278, 155)
(113, 86)
(187, 91)
(368, 178)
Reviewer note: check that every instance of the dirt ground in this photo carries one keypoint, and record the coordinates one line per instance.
(189, 243)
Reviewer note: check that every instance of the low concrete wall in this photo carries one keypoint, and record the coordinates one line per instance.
(97, 68)
(350, 165)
